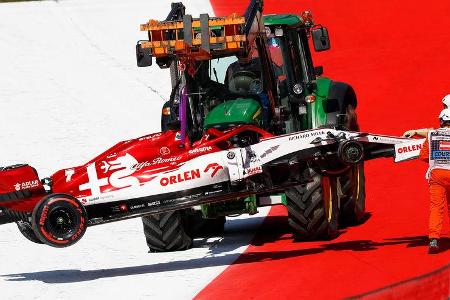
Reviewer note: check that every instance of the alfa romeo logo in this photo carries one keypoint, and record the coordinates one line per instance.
(164, 151)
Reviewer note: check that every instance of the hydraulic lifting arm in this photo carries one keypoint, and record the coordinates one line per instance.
(177, 12)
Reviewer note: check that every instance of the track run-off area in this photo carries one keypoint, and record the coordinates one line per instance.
(70, 89)
(396, 56)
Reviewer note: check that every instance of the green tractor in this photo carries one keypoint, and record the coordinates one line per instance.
(253, 70)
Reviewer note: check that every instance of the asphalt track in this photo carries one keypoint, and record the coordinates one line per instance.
(396, 56)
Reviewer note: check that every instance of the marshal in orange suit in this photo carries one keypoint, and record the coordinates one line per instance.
(436, 151)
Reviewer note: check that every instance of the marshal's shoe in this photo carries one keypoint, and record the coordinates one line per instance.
(433, 247)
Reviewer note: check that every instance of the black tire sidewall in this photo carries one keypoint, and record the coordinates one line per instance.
(40, 220)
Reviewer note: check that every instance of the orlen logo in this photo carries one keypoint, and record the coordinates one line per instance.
(190, 175)
(185, 176)
(215, 167)
(409, 148)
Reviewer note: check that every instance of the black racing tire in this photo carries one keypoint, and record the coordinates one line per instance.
(313, 209)
(166, 232)
(59, 220)
(353, 196)
(352, 184)
(26, 229)
(197, 226)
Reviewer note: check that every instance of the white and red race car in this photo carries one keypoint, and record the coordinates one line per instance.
(157, 173)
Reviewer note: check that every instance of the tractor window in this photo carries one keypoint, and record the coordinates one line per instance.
(219, 67)
(279, 54)
(305, 54)
(241, 77)
(276, 53)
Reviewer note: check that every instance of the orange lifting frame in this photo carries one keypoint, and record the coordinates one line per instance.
(199, 48)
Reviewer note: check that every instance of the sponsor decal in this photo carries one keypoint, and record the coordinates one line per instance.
(306, 135)
(180, 177)
(190, 175)
(96, 198)
(409, 148)
(164, 151)
(151, 137)
(43, 215)
(383, 139)
(26, 185)
(200, 150)
(215, 167)
(156, 161)
(69, 173)
(119, 208)
(157, 202)
(231, 155)
(178, 136)
(270, 150)
(445, 155)
(168, 201)
(121, 178)
(440, 147)
(253, 170)
(137, 206)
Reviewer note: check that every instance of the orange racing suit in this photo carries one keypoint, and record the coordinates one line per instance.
(436, 151)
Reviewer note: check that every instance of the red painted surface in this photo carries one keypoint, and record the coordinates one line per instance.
(396, 56)
(129, 163)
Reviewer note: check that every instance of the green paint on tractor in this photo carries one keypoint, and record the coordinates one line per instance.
(317, 108)
(234, 112)
(279, 20)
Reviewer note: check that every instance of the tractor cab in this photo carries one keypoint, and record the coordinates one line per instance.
(246, 100)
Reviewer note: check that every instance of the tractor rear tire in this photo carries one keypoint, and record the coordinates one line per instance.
(353, 196)
(26, 229)
(165, 232)
(313, 210)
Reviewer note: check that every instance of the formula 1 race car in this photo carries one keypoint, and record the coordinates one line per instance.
(158, 173)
